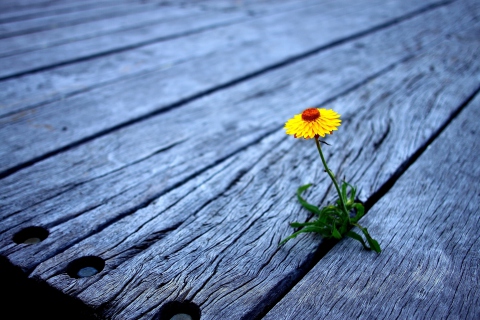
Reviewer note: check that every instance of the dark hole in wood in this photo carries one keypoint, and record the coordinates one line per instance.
(176, 310)
(31, 235)
(85, 267)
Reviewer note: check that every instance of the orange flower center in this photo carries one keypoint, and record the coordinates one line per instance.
(310, 114)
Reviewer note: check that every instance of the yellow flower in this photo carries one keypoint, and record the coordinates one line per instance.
(313, 122)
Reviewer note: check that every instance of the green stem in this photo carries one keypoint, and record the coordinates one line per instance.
(330, 173)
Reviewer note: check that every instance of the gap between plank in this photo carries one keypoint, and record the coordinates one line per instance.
(52, 12)
(239, 20)
(328, 244)
(74, 22)
(119, 78)
(220, 87)
(147, 202)
(122, 49)
(137, 45)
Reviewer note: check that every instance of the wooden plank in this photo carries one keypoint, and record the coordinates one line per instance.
(93, 111)
(214, 240)
(84, 168)
(32, 11)
(253, 6)
(92, 29)
(359, 62)
(16, 28)
(428, 227)
(15, 5)
(61, 54)
(236, 209)
(157, 14)
(67, 80)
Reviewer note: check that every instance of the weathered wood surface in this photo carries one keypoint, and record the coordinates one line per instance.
(20, 5)
(18, 12)
(91, 29)
(51, 57)
(205, 67)
(87, 173)
(217, 246)
(156, 14)
(119, 9)
(64, 81)
(428, 226)
(190, 203)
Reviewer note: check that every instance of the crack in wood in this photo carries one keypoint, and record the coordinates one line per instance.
(226, 85)
(382, 190)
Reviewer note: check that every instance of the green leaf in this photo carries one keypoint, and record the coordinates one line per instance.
(344, 191)
(333, 220)
(303, 188)
(343, 228)
(360, 211)
(300, 224)
(335, 233)
(304, 230)
(357, 237)
(372, 242)
(305, 204)
(353, 192)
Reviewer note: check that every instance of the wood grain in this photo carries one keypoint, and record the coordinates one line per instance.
(217, 244)
(17, 13)
(64, 81)
(90, 29)
(427, 225)
(62, 54)
(113, 176)
(12, 5)
(108, 22)
(191, 203)
(92, 111)
(123, 8)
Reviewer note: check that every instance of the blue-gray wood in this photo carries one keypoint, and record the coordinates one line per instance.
(91, 29)
(166, 168)
(92, 168)
(91, 108)
(428, 227)
(11, 13)
(37, 24)
(148, 24)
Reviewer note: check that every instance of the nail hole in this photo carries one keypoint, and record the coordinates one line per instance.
(176, 310)
(31, 235)
(85, 267)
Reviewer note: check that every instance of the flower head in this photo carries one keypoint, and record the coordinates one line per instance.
(313, 122)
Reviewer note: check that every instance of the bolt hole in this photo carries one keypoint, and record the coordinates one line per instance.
(85, 267)
(31, 235)
(176, 310)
